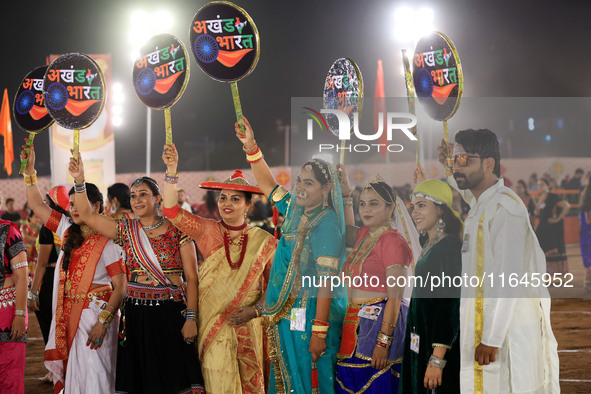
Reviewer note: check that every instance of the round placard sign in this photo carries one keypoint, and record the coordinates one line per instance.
(29, 109)
(343, 90)
(161, 72)
(437, 76)
(74, 90)
(224, 41)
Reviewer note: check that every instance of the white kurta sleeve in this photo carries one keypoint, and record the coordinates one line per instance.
(508, 239)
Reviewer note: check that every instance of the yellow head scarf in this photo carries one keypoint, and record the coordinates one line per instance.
(437, 191)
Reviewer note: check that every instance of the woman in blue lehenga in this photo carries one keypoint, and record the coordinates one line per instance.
(304, 320)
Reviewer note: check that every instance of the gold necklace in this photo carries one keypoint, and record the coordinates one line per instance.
(235, 244)
(86, 231)
(438, 237)
(379, 231)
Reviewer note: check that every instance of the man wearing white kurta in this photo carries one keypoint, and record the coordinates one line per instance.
(507, 344)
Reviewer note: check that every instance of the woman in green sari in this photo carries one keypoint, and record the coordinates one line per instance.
(303, 314)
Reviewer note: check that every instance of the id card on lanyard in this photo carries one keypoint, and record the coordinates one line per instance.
(97, 305)
(370, 312)
(466, 243)
(415, 340)
(297, 319)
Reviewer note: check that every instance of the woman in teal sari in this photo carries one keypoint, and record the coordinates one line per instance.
(303, 316)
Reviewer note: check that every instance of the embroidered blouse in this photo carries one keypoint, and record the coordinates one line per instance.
(391, 249)
(12, 242)
(166, 247)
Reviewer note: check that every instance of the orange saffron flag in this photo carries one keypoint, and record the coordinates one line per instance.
(6, 132)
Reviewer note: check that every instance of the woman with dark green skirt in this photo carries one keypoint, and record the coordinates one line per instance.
(431, 360)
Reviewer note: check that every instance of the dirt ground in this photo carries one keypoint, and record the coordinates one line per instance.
(571, 322)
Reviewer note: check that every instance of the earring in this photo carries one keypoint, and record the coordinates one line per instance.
(440, 225)
(324, 200)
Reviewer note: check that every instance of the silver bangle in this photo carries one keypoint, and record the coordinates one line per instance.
(20, 312)
(33, 295)
(437, 362)
(191, 315)
(171, 178)
(19, 265)
(80, 187)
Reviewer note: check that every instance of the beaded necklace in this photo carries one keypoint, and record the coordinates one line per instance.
(242, 241)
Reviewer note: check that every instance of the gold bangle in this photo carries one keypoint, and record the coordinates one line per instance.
(254, 147)
(105, 317)
(30, 180)
(254, 158)
(175, 175)
(319, 328)
(256, 311)
(389, 324)
(441, 345)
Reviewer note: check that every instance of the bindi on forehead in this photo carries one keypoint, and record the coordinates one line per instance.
(307, 175)
(141, 189)
(230, 194)
(302, 179)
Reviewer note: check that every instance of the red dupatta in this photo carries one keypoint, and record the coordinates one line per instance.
(83, 264)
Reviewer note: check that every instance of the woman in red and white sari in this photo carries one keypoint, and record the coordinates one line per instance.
(87, 293)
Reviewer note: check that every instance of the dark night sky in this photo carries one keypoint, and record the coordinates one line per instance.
(507, 48)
